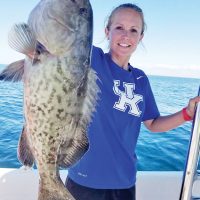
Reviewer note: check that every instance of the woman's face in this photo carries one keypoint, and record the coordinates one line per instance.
(124, 33)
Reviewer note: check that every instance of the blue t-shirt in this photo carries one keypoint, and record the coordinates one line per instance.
(125, 101)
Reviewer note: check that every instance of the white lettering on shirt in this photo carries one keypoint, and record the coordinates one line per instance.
(127, 98)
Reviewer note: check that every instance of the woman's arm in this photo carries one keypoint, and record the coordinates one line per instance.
(166, 123)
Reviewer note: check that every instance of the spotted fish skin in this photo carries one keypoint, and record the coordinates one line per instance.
(60, 90)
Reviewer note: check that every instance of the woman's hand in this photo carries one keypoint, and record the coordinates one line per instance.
(190, 109)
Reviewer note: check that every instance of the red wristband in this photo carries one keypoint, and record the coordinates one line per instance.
(185, 115)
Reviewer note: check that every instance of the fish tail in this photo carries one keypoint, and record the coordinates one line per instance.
(22, 39)
(53, 191)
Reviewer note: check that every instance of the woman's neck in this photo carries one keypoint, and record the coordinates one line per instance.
(120, 61)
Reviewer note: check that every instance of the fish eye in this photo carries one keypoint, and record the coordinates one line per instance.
(82, 11)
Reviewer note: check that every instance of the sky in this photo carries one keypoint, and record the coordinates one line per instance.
(171, 44)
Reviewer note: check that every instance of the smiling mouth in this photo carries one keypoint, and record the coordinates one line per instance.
(124, 45)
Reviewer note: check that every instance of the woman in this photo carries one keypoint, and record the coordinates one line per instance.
(108, 170)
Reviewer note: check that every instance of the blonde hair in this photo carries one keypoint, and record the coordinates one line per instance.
(131, 6)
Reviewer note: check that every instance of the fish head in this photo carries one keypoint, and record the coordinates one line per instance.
(62, 25)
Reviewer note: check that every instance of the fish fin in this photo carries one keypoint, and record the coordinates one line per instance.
(24, 153)
(73, 150)
(53, 190)
(13, 72)
(22, 39)
(91, 99)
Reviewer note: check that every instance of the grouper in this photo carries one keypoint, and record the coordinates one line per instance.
(60, 89)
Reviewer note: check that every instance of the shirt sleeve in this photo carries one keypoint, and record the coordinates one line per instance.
(96, 55)
(150, 108)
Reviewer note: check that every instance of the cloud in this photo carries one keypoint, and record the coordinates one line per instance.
(192, 71)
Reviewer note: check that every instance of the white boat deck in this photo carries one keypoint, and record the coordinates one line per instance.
(21, 184)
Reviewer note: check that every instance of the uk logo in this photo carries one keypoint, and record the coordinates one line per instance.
(127, 98)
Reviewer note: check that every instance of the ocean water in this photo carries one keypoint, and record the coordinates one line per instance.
(155, 151)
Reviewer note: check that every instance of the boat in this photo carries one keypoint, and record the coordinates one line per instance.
(22, 184)
(191, 173)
